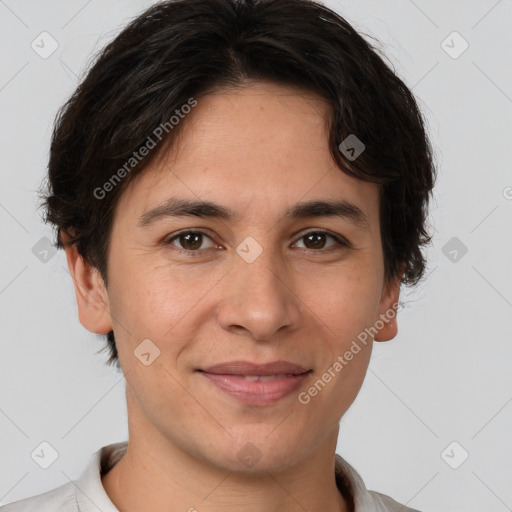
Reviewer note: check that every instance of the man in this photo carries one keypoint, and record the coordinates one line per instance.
(240, 199)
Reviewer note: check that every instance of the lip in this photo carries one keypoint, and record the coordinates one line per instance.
(249, 368)
(230, 378)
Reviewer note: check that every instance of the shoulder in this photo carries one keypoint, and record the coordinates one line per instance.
(60, 499)
(85, 494)
(388, 504)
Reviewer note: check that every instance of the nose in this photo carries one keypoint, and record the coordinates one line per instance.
(259, 298)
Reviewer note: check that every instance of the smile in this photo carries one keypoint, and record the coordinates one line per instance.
(257, 389)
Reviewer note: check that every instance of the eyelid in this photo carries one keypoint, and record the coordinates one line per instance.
(341, 241)
(169, 239)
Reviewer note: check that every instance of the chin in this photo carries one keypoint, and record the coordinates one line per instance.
(254, 454)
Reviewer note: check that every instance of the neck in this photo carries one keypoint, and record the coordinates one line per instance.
(158, 474)
(153, 479)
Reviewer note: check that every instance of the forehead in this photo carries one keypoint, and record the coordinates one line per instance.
(261, 149)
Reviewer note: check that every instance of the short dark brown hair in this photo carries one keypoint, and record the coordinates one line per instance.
(182, 49)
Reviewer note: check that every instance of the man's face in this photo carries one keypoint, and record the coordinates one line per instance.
(211, 297)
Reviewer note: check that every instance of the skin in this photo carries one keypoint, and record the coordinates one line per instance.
(258, 150)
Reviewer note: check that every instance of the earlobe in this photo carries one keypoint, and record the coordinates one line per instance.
(91, 294)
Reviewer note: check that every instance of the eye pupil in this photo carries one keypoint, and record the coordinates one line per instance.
(316, 237)
(196, 243)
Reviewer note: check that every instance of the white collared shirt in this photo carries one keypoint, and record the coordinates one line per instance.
(87, 494)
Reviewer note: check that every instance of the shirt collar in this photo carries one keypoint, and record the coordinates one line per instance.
(347, 476)
(89, 493)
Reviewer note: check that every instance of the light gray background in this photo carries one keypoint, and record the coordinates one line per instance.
(446, 377)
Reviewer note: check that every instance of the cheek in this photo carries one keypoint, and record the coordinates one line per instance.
(163, 304)
(345, 302)
(150, 296)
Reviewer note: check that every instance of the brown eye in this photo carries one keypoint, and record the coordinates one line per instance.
(189, 240)
(316, 240)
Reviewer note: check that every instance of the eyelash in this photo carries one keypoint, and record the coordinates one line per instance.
(341, 242)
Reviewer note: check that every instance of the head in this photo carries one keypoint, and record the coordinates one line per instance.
(219, 102)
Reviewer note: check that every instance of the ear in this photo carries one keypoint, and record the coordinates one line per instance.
(90, 291)
(388, 308)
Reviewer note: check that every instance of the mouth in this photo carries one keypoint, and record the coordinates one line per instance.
(262, 378)
(248, 368)
(254, 384)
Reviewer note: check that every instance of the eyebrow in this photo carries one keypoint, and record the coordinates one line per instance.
(175, 207)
